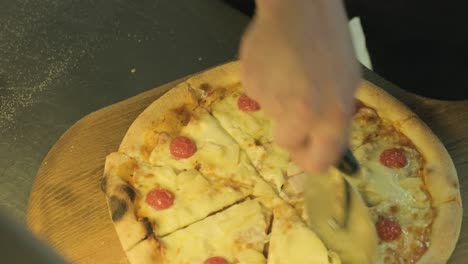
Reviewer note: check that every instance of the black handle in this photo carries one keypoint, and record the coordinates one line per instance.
(348, 163)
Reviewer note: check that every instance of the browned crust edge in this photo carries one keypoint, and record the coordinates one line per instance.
(120, 197)
(181, 95)
(218, 77)
(386, 105)
(134, 139)
(445, 233)
(440, 175)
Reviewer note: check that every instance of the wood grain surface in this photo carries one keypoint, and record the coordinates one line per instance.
(68, 210)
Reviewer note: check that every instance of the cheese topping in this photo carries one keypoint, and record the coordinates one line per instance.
(253, 132)
(217, 155)
(237, 234)
(397, 194)
(379, 183)
(292, 242)
(195, 196)
(365, 123)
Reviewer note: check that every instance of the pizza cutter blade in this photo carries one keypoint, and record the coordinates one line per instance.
(337, 213)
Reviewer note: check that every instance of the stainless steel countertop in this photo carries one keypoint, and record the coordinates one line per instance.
(62, 59)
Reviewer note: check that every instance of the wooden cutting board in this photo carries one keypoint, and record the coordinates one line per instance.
(66, 206)
(68, 210)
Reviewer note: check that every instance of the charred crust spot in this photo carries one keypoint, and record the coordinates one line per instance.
(148, 227)
(103, 184)
(205, 87)
(184, 115)
(198, 166)
(118, 208)
(127, 190)
(257, 143)
(180, 110)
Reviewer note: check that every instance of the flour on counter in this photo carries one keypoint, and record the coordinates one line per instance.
(17, 98)
(31, 61)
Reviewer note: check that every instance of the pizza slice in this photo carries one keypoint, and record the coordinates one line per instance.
(242, 118)
(399, 159)
(392, 186)
(252, 129)
(368, 126)
(235, 235)
(163, 199)
(291, 241)
(185, 136)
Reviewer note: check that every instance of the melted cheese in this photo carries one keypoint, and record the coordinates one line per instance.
(196, 196)
(365, 123)
(217, 155)
(253, 132)
(395, 193)
(382, 184)
(292, 242)
(237, 234)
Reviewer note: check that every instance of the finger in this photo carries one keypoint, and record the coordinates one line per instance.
(321, 153)
(326, 144)
(295, 124)
(291, 138)
(325, 152)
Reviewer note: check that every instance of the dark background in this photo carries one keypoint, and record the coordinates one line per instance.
(62, 59)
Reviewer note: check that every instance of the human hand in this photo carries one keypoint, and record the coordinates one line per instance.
(298, 62)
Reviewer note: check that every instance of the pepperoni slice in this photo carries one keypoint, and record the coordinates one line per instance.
(160, 199)
(393, 158)
(182, 147)
(388, 229)
(216, 260)
(247, 104)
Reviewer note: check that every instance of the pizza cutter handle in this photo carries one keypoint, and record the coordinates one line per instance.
(348, 163)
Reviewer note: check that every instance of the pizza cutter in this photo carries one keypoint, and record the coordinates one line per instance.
(337, 213)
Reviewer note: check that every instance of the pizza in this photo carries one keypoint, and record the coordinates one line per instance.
(198, 179)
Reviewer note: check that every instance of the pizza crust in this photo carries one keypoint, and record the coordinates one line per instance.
(222, 76)
(386, 105)
(139, 140)
(120, 197)
(440, 175)
(441, 180)
(445, 232)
